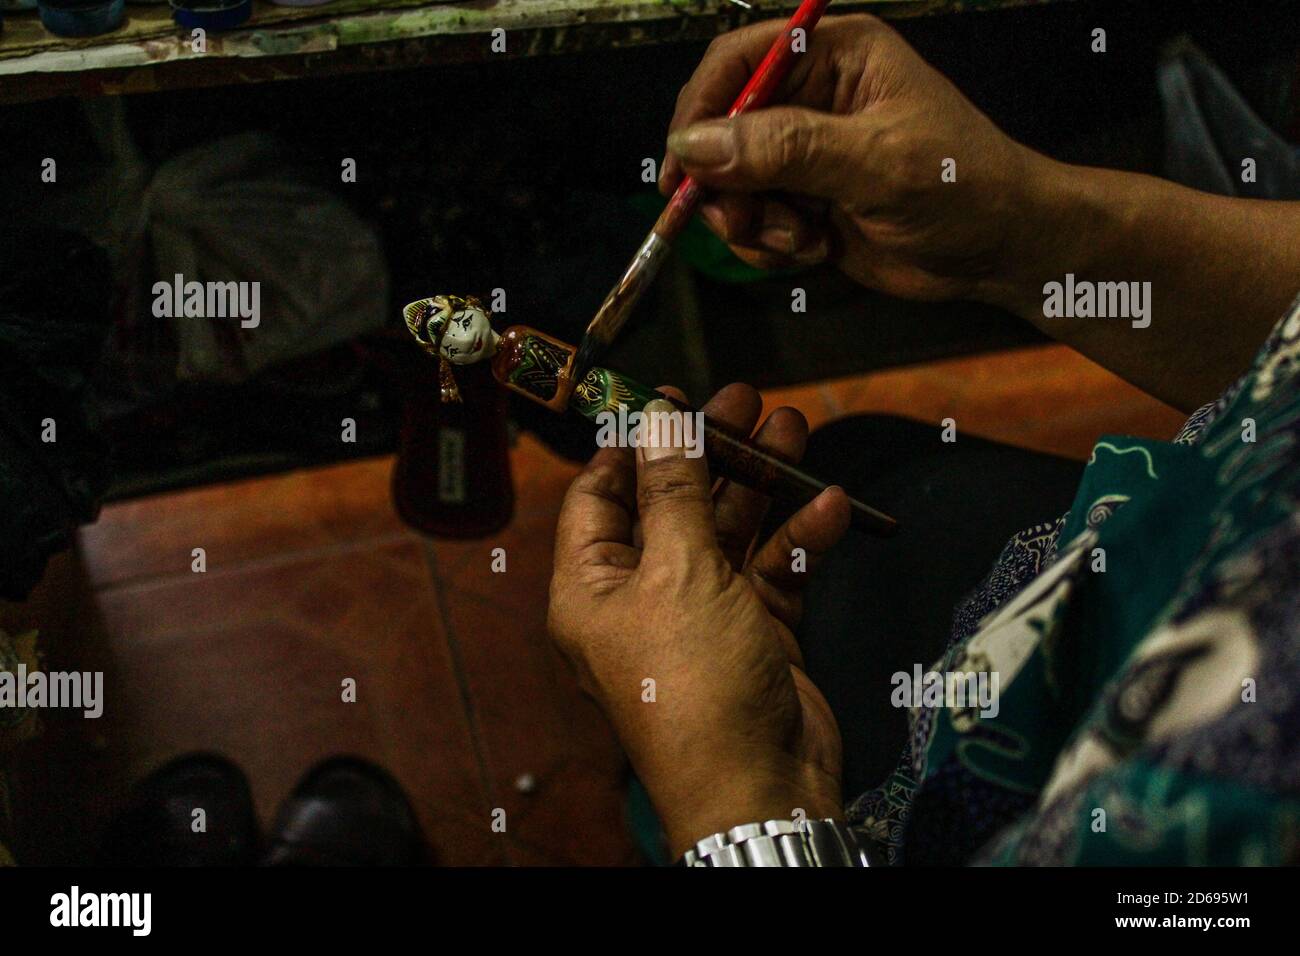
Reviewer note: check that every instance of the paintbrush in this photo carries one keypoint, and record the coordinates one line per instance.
(622, 299)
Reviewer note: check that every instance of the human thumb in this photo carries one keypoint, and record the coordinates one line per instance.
(786, 147)
(674, 494)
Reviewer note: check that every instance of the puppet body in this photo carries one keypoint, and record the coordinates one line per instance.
(532, 363)
(458, 332)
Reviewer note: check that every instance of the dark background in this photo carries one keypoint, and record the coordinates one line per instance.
(520, 174)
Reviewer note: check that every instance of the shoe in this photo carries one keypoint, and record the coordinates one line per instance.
(196, 810)
(346, 812)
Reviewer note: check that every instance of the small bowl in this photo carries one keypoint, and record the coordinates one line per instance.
(81, 18)
(211, 14)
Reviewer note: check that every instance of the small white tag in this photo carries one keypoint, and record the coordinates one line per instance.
(451, 466)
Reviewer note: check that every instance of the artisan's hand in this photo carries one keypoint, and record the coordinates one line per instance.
(850, 167)
(850, 170)
(652, 583)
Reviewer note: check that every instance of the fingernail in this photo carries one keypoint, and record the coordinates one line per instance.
(660, 436)
(715, 217)
(777, 239)
(705, 144)
(814, 255)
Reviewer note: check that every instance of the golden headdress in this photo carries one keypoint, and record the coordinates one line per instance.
(427, 319)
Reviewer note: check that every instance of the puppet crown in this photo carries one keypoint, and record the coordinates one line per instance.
(427, 321)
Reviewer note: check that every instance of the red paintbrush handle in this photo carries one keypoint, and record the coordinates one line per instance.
(756, 94)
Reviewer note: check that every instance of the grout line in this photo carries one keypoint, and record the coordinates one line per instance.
(466, 695)
(263, 562)
(288, 556)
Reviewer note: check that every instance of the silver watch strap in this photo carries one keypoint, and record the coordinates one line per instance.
(781, 843)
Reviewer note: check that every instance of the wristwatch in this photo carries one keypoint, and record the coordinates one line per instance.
(782, 843)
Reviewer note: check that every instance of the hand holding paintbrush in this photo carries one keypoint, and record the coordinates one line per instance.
(622, 299)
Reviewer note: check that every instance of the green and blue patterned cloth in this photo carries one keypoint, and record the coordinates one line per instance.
(1147, 647)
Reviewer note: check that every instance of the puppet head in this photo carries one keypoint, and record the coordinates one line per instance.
(457, 330)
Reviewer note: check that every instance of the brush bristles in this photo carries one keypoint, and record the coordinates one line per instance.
(590, 349)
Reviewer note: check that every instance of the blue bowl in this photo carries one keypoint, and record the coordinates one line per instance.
(81, 19)
(211, 14)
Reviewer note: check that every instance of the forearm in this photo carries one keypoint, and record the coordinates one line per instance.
(1221, 272)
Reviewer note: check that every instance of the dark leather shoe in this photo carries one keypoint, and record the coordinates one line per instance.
(346, 812)
(160, 827)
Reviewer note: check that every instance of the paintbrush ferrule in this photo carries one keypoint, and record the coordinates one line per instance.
(621, 301)
(617, 307)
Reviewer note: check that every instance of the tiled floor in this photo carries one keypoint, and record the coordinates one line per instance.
(311, 579)
(1048, 398)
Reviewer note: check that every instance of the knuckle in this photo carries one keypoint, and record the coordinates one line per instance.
(789, 145)
(848, 31)
(867, 22)
(665, 485)
(903, 160)
(864, 25)
(892, 141)
(720, 43)
(601, 481)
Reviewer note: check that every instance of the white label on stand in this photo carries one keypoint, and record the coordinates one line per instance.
(451, 466)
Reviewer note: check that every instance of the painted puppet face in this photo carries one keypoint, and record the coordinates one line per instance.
(469, 336)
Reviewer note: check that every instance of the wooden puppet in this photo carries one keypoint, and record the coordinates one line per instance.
(458, 331)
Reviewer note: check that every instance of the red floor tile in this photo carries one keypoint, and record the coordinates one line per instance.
(1047, 398)
(251, 663)
(529, 715)
(311, 578)
(812, 400)
(241, 521)
(540, 476)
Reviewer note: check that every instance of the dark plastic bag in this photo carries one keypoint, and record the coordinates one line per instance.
(55, 311)
(1210, 130)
